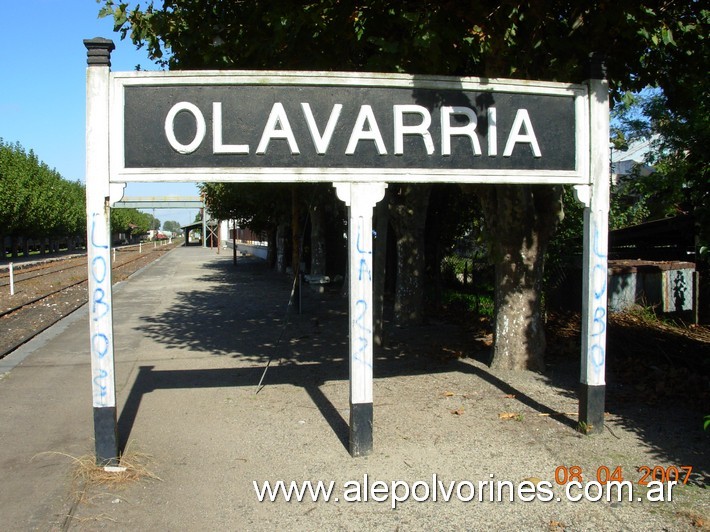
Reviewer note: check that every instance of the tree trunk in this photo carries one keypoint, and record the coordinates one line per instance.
(281, 244)
(520, 220)
(408, 211)
(439, 205)
(272, 248)
(318, 246)
(295, 231)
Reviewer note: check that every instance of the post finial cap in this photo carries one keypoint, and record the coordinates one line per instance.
(99, 51)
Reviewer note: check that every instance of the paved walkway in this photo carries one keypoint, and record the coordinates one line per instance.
(193, 335)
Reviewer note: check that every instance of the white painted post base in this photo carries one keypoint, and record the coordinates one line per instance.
(361, 198)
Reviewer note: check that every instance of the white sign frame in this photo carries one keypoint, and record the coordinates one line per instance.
(361, 189)
(120, 174)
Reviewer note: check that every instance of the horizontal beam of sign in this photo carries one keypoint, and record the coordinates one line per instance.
(330, 127)
(160, 202)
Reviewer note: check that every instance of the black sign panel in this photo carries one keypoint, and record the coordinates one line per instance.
(283, 126)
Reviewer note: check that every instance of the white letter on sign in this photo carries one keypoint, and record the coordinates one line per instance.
(217, 146)
(468, 130)
(492, 132)
(521, 119)
(366, 115)
(400, 130)
(277, 117)
(170, 127)
(321, 142)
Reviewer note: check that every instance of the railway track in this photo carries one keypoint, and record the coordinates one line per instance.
(33, 272)
(47, 293)
(53, 265)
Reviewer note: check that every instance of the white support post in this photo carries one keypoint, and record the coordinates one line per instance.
(204, 227)
(361, 199)
(98, 197)
(595, 262)
(12, 279)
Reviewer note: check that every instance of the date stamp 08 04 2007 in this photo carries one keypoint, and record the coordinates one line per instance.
(604, 474)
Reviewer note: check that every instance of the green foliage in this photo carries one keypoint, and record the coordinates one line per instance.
(154, 223)
(254, 205)
(172, 226)
(35, 201)
(645, 43)
(479, 304)
(131, 221)
(627, 207)
(584, 428)
(678, 137)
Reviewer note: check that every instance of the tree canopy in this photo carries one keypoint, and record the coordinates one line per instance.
(677, 139)
(647, 42)
(132, 221)
(35, 201)
(253, 205)
(172, 226)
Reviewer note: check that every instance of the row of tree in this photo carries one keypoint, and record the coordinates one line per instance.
(644, 42)
(38, 205)
(35, 201)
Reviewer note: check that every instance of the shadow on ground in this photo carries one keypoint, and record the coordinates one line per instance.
(243, 312)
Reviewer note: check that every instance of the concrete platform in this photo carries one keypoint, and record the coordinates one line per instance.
(193, 335)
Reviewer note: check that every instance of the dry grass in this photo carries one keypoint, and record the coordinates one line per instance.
(91, 481)
(133, 466)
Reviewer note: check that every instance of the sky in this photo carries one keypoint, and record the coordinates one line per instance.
(43, 86)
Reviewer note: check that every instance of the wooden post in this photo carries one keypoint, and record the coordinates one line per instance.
(98, 197)
(595, 260)
(361, 199)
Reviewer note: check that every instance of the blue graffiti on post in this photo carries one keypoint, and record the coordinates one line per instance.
(360, 235)
(99, 382)
(100, 309)
(364, 267)
(94, 244)
(363, 332)
(99, 306)
(361, 328)
(597, 348)
(99, 344)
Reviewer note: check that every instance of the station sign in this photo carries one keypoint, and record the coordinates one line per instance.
(308, 126)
